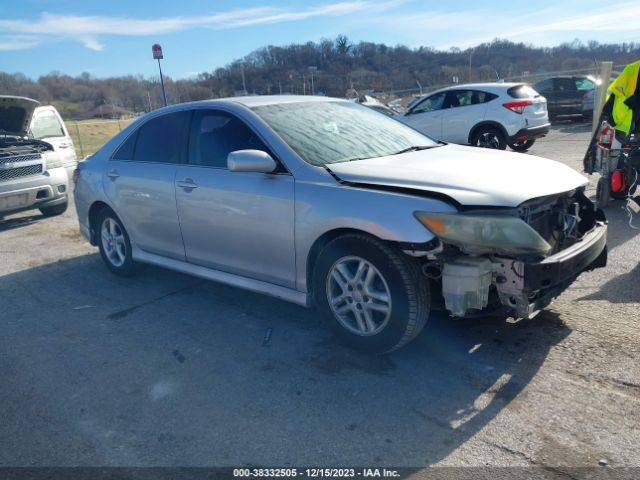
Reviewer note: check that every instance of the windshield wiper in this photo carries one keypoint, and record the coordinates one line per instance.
(415, 148)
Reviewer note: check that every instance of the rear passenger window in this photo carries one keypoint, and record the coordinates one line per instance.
(215, 134)
(162, 139)
(126, 150)
(525, 91)
(565, 84)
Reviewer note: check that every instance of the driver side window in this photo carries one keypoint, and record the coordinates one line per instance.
(430, 104)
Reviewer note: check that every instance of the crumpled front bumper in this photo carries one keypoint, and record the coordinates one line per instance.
(526, 287)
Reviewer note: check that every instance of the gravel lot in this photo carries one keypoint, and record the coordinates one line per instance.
(169, 370)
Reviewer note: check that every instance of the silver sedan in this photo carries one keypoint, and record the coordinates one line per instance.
(323, 201)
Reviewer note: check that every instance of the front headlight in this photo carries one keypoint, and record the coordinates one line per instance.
(52, 160)
(485, 233)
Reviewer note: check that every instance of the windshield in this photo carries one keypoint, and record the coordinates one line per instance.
(323, 133)
(46, 124)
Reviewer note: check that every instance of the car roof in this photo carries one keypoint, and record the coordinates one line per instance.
(485, 85)
(261, 100)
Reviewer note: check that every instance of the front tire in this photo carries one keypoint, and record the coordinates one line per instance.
(490, 137)
(521, 146)
(374, 296)
(114, 244)
(54, 210)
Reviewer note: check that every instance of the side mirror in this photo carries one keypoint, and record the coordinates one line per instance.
(250, 161)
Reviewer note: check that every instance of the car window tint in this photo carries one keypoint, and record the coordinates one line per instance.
(543, 86)
(162, 139)
(583, 83)
(215, 134)
(125, 151)
(457, 98)
(565, 84)
(46, 125)
(525, 91)
(430, 104)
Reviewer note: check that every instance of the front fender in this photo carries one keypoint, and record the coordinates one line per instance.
(322, 208)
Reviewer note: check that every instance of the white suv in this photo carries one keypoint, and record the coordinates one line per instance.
(491, 115)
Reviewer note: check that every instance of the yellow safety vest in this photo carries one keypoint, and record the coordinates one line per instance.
(623, 87)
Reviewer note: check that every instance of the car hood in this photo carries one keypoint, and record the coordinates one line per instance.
(15, 114)
(471, 176)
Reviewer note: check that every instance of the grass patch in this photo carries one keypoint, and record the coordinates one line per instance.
(89, 135)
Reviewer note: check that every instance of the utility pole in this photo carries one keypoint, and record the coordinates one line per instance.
(157, 54)
(244, 84)
(470, 55)
(312, 70)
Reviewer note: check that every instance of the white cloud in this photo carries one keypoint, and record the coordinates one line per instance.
(17, 42)
(85, 28)
(92, 44)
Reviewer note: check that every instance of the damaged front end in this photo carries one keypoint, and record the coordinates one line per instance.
(514, 260)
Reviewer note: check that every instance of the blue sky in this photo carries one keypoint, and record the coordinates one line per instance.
(114, 37)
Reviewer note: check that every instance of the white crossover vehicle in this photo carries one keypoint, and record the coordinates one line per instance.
(491, 115)
(324, 201)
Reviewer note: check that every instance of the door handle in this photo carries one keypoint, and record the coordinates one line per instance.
(113, 174)
(187, 183)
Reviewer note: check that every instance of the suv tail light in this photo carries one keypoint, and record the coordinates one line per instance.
(606, 136)
(76, 175)
(518, 106)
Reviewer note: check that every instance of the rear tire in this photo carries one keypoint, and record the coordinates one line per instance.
(522, 146)
(114, 244)
(54, 210)
(490, 137)
(374, 297)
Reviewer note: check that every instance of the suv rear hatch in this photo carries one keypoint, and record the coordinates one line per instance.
(528, 103)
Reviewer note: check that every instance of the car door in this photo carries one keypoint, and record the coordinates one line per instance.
(462, 109)
(426, 115)
(237, 222)
(546, 89)
(140, 183)
(568, 98)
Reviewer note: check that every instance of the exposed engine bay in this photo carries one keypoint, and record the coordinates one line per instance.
(474, 282)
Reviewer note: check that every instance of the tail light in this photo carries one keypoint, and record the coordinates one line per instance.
(518, 106)
(76, 175)
(606, 136)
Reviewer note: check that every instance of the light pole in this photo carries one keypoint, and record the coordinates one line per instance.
(157, 54)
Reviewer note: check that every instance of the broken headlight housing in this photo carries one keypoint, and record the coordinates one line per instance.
(481, 234)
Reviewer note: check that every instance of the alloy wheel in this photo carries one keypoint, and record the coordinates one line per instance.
(358, 296)
(113, 242)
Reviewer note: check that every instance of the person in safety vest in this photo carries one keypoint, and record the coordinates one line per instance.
(624, 100)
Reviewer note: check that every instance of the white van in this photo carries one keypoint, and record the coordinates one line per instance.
(47, 125)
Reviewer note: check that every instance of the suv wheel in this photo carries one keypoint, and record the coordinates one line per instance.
(522, 146)
(374, 296)
(114, 244)
(489, 137)
(55, 210)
